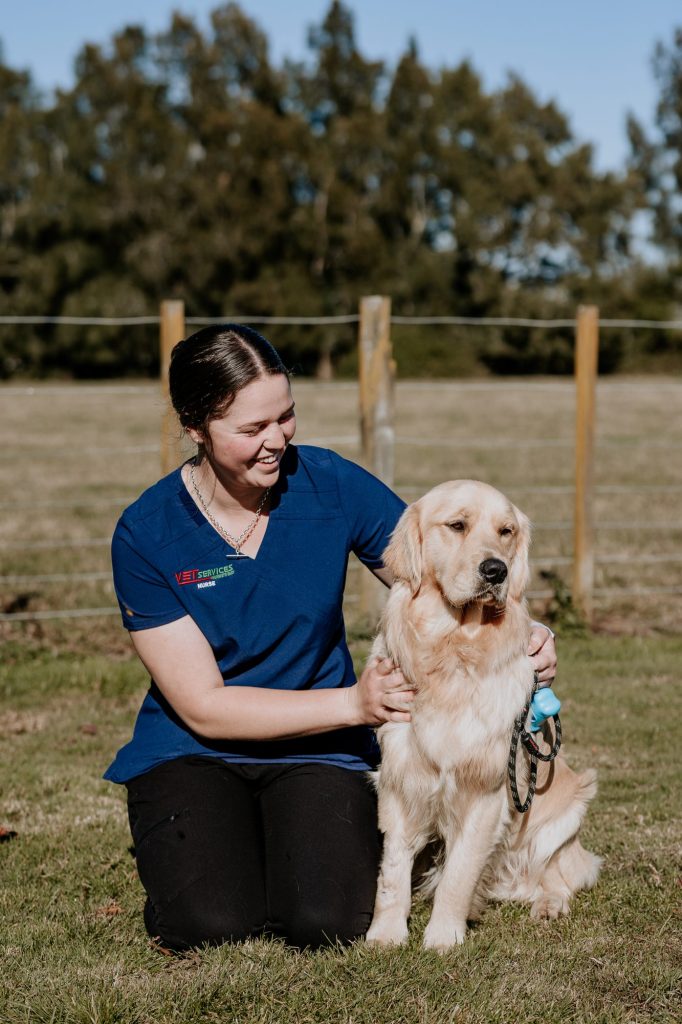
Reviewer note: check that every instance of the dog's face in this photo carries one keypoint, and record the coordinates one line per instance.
(467, 539)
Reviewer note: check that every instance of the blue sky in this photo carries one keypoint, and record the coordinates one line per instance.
(592, 56)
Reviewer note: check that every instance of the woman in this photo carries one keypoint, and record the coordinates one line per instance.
(248, 799)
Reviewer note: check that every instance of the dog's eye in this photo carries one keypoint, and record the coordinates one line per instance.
(506, 531)
(458, 526)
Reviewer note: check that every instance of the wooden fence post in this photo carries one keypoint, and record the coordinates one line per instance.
(376, 372)
(172, 331)
(376, 378)
(586, 367)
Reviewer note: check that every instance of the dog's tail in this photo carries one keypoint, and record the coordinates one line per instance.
(583, 866)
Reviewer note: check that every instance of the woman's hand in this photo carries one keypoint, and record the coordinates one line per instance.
(542, 652)
(381, 694)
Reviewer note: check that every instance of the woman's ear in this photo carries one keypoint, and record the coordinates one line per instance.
(403, 556)
(519, 577)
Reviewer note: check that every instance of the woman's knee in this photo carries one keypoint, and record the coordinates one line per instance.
(183, 924)
(313, 927)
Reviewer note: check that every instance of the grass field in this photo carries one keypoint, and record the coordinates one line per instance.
(73, 946)
(72, 943)
(75, 457)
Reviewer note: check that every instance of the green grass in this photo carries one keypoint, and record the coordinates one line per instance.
(73, 949)
(72, 942)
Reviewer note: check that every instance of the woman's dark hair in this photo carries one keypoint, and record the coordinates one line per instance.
(210, 367)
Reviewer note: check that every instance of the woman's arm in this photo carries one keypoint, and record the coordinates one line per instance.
(183, 666)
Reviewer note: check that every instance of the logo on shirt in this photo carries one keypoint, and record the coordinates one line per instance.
(203, 577)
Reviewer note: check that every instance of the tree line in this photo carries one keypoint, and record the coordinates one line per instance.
(186, 164)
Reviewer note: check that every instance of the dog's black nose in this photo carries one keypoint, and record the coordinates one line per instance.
(493, 570)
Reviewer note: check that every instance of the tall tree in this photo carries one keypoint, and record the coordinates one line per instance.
(20, 349)
(654, 291)
(657, 158)
(335, 95)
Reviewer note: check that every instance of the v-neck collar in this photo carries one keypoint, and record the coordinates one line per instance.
(208, 531)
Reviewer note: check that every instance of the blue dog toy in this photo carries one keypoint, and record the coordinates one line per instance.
(544, 705)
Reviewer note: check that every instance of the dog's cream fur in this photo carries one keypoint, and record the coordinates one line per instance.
(462, 641)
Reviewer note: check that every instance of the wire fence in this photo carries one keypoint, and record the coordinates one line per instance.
(330, 321)
(643, 445)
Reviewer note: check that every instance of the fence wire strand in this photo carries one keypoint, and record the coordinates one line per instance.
(344, 318)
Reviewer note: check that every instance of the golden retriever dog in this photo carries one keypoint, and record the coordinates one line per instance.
(457, 625)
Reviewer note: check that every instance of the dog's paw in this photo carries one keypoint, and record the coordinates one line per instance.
(380, 938)
(549, 906)
(443, 937)
(387, 933)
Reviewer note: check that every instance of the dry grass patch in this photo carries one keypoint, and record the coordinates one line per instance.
(86, 452)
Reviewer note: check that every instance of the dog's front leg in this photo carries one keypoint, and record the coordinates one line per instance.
(467, 849)
(394, 887)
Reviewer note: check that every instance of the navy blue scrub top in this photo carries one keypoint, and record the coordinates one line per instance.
(273, 621)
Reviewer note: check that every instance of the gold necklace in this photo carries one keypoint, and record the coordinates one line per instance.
(236, 542)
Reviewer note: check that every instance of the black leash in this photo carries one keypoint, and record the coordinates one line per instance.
(521, 733)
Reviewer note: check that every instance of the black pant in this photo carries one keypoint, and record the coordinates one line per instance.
(228, 851)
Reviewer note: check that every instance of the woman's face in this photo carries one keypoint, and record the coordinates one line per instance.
(246, 445)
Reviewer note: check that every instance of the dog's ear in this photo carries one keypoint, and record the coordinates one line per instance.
(519, 577)
(403, 556)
